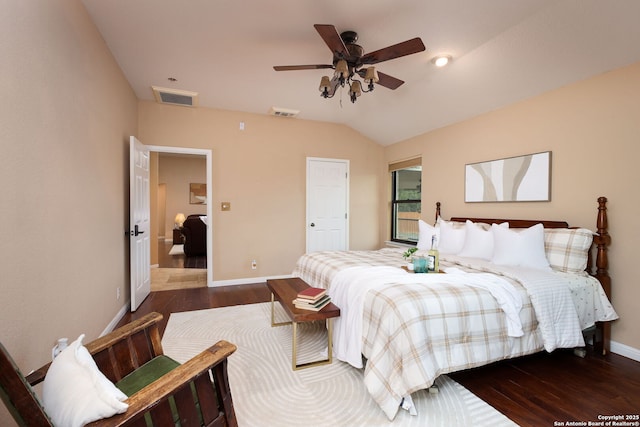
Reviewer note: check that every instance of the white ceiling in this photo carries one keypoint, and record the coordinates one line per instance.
(503, 51)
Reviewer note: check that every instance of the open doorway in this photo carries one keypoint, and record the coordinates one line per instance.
(177, 169)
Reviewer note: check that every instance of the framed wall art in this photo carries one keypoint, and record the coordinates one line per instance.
(198, 194)
(515, 179)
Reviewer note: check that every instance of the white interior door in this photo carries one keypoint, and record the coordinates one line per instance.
(327, 204)
(139, 222)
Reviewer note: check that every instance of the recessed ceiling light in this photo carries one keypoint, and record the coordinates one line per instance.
(441, 60)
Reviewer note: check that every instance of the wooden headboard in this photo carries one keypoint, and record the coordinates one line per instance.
(598, 254)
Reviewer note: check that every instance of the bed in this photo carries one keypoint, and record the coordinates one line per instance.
(509, 288)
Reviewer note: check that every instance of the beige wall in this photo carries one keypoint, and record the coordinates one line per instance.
(261, 171)
(65, 119)
(593, 131)
(177, 172)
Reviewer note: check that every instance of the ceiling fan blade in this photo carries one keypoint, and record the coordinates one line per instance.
(408, 47)
(384, 80)
(301, 67)
(388, 81)
(331, 37)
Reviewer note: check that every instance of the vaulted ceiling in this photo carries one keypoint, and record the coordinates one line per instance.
(503, 51)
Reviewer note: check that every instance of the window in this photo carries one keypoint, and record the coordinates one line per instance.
(406, 194)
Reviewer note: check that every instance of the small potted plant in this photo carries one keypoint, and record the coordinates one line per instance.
(408, 255)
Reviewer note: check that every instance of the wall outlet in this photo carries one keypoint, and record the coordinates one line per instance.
(118, 294)
(254, 264)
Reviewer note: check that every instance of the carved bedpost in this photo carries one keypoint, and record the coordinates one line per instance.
(437, 212)
(602, 240)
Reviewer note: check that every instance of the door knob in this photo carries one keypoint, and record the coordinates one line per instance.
(313, 224)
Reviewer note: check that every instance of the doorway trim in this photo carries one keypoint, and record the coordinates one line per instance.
(208, 155)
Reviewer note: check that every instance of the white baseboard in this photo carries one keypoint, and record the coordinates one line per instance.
(625, 350)
(112, 325)
(246, 281)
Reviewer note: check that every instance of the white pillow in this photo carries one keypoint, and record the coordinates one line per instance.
(451, 236)
(425, 234)
(478, 241)
(75, 392)
(519, 247)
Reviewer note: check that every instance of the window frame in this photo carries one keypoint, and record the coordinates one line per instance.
(395, 203)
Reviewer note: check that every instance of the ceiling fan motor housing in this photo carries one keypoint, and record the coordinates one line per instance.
(355, 51)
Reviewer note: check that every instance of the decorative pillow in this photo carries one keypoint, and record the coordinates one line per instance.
(478, 240)
(567, 249)
(425, 234)
(75, 392)
(519, 247)
(452, 235)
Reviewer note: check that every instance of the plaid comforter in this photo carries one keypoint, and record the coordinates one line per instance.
(414, 332)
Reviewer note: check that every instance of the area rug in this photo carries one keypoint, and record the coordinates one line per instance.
(267, 392)
(166, 279)
(176, 250)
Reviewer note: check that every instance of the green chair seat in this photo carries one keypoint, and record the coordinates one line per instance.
(146, 374)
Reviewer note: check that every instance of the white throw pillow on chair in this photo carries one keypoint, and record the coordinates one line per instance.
(75, 392)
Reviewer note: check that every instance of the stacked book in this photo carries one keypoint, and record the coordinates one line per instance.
(313, 299)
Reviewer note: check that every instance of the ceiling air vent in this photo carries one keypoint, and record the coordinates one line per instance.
(175, 96)
(283, 112)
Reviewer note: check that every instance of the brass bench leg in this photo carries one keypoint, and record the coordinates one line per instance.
(294, 339)
(294, 350)
(273, 314)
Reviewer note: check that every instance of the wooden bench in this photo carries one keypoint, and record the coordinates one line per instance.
(285, 291)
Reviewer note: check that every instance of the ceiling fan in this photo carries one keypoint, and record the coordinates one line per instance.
(350, 60)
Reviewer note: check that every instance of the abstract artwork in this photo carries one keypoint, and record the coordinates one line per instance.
(515, 179)
(198, 194)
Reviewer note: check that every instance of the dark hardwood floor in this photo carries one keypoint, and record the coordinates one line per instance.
(177, 261)
(539, 390)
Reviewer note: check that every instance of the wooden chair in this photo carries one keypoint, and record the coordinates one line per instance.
(197, 392)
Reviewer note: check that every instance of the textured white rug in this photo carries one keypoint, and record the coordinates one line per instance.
(267, 392)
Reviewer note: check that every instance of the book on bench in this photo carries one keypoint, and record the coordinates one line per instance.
(311, 294)
(312, 305)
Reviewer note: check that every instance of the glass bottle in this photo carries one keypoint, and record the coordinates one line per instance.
(433, 257)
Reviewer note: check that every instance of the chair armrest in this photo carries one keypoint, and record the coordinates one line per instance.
(160, 390)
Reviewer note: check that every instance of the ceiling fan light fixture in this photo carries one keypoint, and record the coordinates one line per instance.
(342, 69)
(371, 76)
(350, 63)
(355, 91)
(441, 60)
(325, 84)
